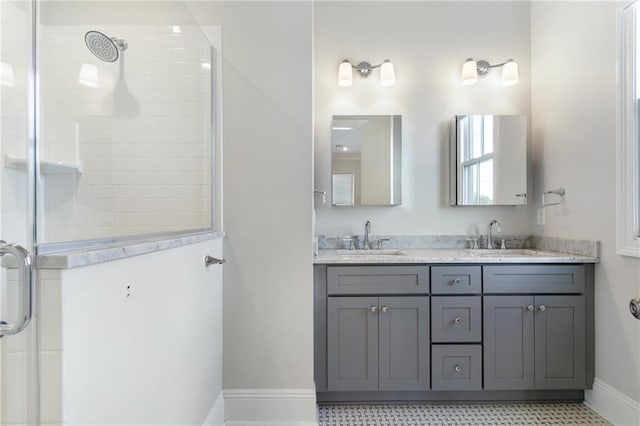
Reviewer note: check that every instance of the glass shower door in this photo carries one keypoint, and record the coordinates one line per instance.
(18, 343)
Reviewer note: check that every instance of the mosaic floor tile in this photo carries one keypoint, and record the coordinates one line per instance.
(457, 414)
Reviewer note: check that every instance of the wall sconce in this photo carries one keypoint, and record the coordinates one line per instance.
(471, 69)
(7, 78)
(345, 72)
(88, 75)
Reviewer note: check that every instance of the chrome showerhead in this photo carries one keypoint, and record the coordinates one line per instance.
(104, 47)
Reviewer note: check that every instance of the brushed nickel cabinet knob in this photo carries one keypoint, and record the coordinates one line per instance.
(385, 309)
(457, 320)
(458, 368)
(373, 309)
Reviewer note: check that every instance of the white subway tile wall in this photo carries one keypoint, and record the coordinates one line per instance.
(142, 138)
(14, 102)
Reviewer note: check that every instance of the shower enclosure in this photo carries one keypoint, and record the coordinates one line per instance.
(107, 134)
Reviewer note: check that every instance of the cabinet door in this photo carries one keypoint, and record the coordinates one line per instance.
(508, 342)
(404, 343)
(352, 343)
(560, 342)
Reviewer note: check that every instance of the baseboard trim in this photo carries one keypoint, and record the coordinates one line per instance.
(216, 415)
(612, 404)
(271, 423)
(286, 407)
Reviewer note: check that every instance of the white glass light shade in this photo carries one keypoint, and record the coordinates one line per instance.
(88, 75)
(510, 73)
(387, 74)
(345, 74)
(7, 78)
(469, 72)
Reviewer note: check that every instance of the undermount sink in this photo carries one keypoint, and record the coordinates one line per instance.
(367, 253)
(507, 253)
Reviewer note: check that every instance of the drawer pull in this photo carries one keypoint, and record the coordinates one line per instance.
(542, 308)
(458, 368)
(457, 320)
(385, 309)
(373, 309)
(456, 280)
(530, 307)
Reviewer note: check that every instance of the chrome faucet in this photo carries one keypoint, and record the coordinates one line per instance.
(367, 229)
(490, 233)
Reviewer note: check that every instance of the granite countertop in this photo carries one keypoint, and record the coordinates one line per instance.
(438, 255)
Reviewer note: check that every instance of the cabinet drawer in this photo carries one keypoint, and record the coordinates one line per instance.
(533, 278)
(456, 319)
(455, 279)
(377, 279)
(456, 367)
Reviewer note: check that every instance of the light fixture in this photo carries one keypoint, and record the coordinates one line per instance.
(472, 68)
(7, 78)
(175, 29)
(345, 72)
(206, 65)
(88, 75)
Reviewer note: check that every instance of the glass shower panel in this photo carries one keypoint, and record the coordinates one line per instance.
(17, 362)
(126, 121)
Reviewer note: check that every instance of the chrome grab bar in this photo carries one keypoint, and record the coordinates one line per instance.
(25, 289)
(210, 260)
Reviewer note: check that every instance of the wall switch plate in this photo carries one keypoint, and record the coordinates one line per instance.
(540, 217)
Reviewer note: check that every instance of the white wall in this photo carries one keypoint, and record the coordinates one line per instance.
(428, 43)
(574, 133)
(143, 137)
(267, 85)
(153, 357)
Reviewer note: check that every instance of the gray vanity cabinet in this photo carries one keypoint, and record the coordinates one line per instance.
(463, 332)
(404, 343)
(352, 343)
(534, 342)
(560, 342)
(508, 343)
(378, 343)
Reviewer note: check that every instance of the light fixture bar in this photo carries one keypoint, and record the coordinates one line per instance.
(364, 69)
(472, 68)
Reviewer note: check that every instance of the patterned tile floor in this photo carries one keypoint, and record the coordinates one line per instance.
(457, 414)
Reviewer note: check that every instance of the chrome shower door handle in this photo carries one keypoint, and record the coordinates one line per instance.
(25, 289)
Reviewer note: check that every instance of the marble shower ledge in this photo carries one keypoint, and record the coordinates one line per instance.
(107, 253)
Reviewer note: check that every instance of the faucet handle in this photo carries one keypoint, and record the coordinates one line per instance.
(349, 240)
(381, 241)
(474, 243)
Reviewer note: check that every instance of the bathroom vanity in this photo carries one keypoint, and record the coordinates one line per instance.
(453, 325)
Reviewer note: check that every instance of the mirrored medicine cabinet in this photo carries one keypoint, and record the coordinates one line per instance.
(488, 160)
(366, 160)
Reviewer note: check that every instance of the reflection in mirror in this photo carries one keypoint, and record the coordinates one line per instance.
(489, 160)
(366, 158)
